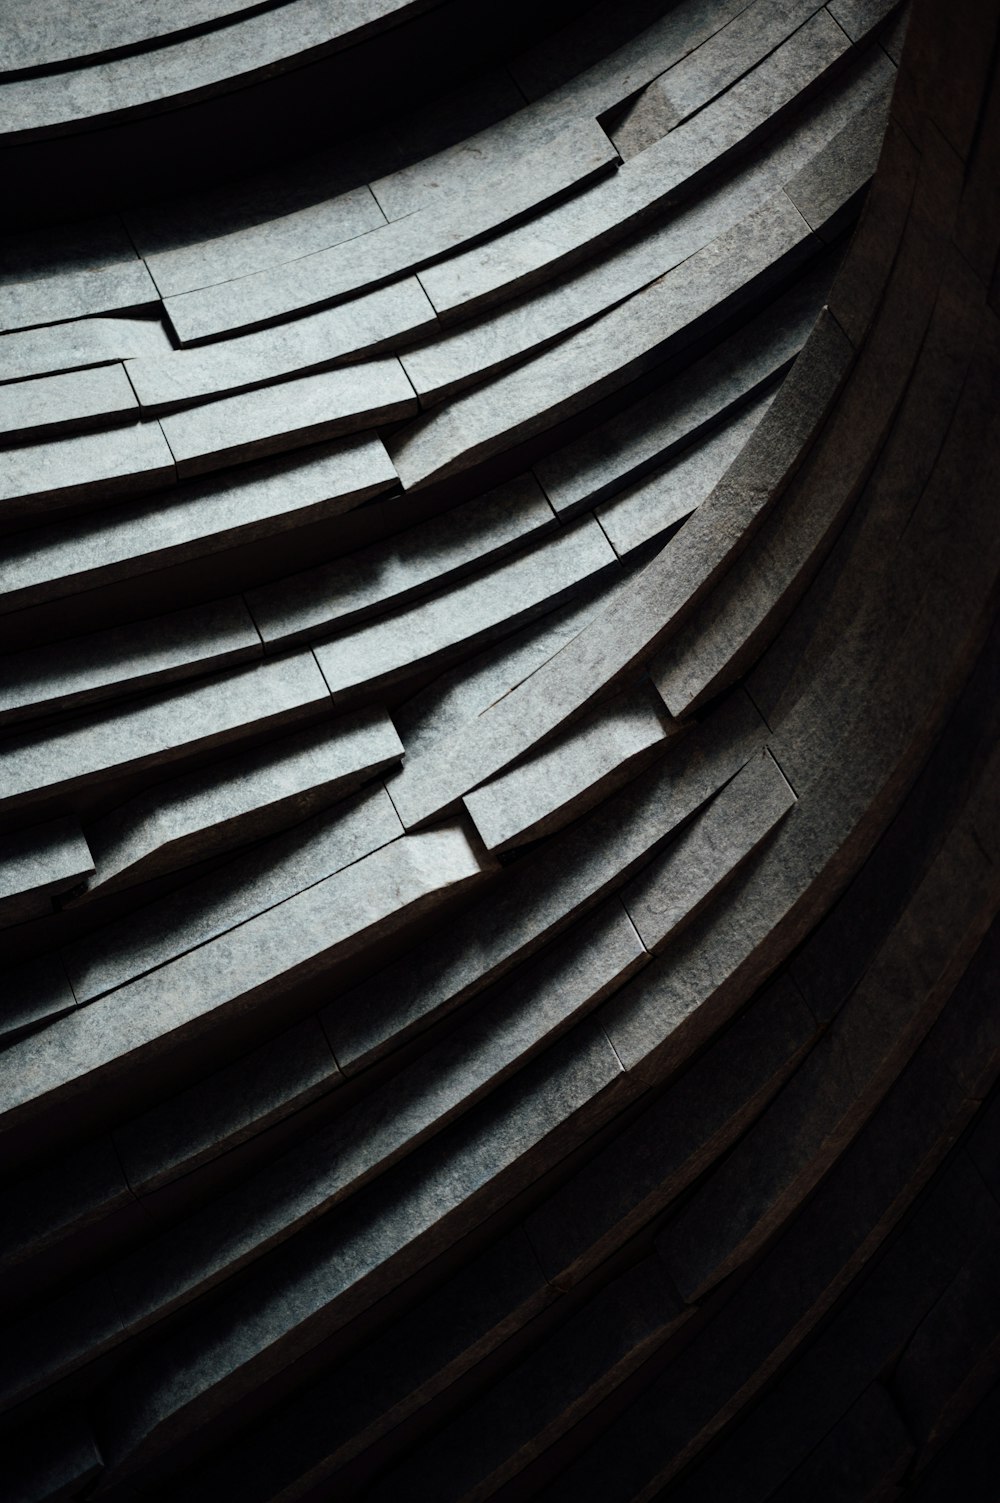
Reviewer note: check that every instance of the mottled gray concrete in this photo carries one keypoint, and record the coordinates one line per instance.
(612, 350)
(299, 937)
(122, 659)
(80, 342)
(244, 798)
(158, 729)
(366, 325)
(193, 518)
(55, 404)
(651, 506)
(544, 893)
(246, 885)
(215, 1114)
(287, 415)
(37, 863)
(39, 477)
(50, 275)
(34, 991)
(466, 613)
(570, 774)
(410, 563)
(402, 246)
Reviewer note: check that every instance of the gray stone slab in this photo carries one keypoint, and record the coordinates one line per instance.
(553, 1388)
(858, 17)
(544, 893)
(53, 1459)
(246, 885)
(570, 774)
(232, 54)
(367, 325)
(612, 350)
(287, 415)
(215, 1114)
(159, 729)
(628, 629)
(601, 56)
(52, 275)
(431, 1345)
(669, 1145)
(306, 1182)
(193, 518)
(329, 1272)
(123, 659)
(652, 506)
(410, 563)
(34, 992)
(457, 618)
(49, 405)
(303, 936)
(582, 151)
(37, 863)
(440, 711)
(239, 800)
(738, 48)
(66, 471)
(41, 35)
(199, 259)
(690, 872)
(826, 192)
(650, 183)
(82, 342)
(632, 442)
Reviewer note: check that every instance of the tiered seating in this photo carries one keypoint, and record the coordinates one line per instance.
(499, 839)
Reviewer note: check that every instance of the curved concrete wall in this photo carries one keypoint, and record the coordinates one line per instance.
(498, 807)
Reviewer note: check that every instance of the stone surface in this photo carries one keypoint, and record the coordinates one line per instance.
(427, 633)
(626, 446)
(195, 517)
(410, 563)
(648, 508)
(65, 471)
(570, 774)
(605, 1201)
(124, 659)
(323, 1277)
(865, 1453)
(51, 275)
(651, 182)
(248, 884)
(160, 729)
(544, 893)
(59, 1201)
(393, 249)
(364, 326)
(247, 796)
(416, 1358)
(302, 936)
(736, 49)
(56, 404)
(52, 1459)
(287, 415)
(824, 191)
(189, 250)
(38, 863)
(42, 34)
(275, 1203)
(625, 632)
(615, 348)
(689, 873)
(83, 342)
(215, 1114)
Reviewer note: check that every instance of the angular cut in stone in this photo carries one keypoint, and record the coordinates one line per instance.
(48, 405)
(36, 864)
(115, 462)
(239, 800)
